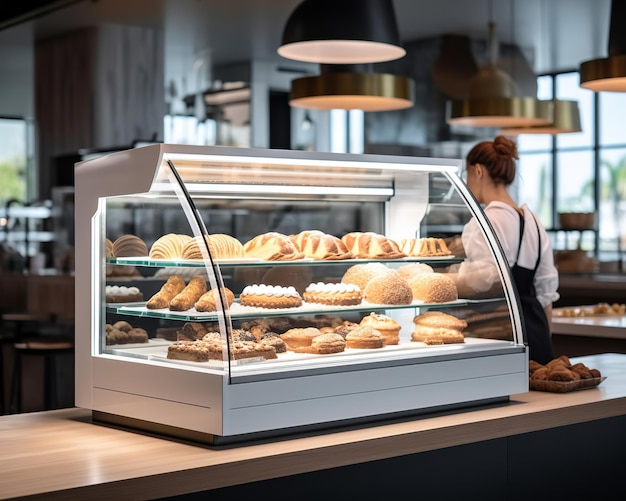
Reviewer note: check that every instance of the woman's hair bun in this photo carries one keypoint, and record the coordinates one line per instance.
(505, 146)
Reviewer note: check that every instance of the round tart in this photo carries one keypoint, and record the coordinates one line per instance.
(333, 294)
(364, 337)
(270, 296)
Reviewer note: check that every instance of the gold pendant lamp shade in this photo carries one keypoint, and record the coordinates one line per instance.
(493, 99)
(565, 119)
(337, 88)
(609, 74)
(342, 32)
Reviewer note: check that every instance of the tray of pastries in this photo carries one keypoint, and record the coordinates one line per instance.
(561, 376)
(600, 309)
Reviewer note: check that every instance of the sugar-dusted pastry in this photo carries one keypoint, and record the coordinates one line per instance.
(169, 246)
(360, 274)
(435, 327)
(333, 294)
(270, 296)
(372, 245)
(122, 294)
(390, 288)
(319, 245)
(187, 298)
(433, 288)
(210, 300)
(272, 246)
(299, 337)
(222, 246)
(424, 247)
(412, 269)
(129, 246)
(161, 299)
(365, 337)
(387, 326)
(324, 344)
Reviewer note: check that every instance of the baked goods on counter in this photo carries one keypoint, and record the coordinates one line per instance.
(316, 244)
(333, 294)
(388, 288)
(187, 298)
(364, 337)
(300, 337)
(387, 326)
(361, 274)
(433, 288)
(270, 296)
(122, 294)
(272, 246)
(372, 245)
(129, 246)
(424, 247)
(436, 328)
(589, 311)
(205, 350)
(169, 246)
(170, 288)
(222, 246)
(210, 299)
(124, 333)
(559, 375)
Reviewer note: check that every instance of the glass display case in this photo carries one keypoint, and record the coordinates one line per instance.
(227, 293)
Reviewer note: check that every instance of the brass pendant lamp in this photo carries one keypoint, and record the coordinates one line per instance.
(565, 119)
(344, 37)
(493, 99)
(349, 88)
(609, 74)
(342, 32)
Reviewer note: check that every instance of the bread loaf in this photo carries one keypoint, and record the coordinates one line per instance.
(372, 245)
(272, 246)
(319, 245)
(169, 246)
(222, 246)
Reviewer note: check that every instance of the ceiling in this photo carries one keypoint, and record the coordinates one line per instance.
(557, 34)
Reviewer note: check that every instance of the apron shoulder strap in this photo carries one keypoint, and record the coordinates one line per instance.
(521, 236)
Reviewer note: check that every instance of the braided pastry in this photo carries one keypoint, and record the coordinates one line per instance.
(372, 245)
(169, 246)
(319, 245)
(272, 246)
(220, 244)
(186, 298)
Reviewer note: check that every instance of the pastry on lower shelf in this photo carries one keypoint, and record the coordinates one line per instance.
(191, 331)
(129, 246)
(116, 336)
(168, 291)
(187, 298)
(322, 246)
(122, 294)
(193, 351)
(433, 288)
(300, 337)
(390, 288)
(210, 300)
(122, 325)
(272, 246)
(436, 328)
(333, 294)
(345, 327)
(270, 296)
(137, 335)
(324, 344)
(387, 326)
(169, 246)
(364, 337)
(274, 340)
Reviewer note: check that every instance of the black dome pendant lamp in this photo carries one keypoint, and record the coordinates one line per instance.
(342, 32)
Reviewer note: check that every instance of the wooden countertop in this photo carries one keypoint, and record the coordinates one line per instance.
(607, 326)
(62, 454)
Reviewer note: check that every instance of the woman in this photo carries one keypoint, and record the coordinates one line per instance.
(490, 171)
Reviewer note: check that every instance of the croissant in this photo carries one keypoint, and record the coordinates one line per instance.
(161, 299)
(129, 246)
(319, 245)
(272, 246)
(209, 300)
(169, 246)
(372, 245)
(220, 244)
(186, 298)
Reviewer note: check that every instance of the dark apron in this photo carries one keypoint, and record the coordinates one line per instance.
(536, 323)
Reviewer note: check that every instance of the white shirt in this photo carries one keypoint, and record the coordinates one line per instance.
(506, 225)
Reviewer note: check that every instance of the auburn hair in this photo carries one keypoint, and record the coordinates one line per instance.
(498, 157)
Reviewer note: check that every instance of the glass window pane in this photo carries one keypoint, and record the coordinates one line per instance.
(534, 185)
(611, 118)
(538, 142)
(567, 87)
(13, 159)
(612, 210)
(575, 175)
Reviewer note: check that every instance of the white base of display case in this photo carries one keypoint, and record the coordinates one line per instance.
(202, 404)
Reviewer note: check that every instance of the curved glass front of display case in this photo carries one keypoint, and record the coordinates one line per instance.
(300, 302)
